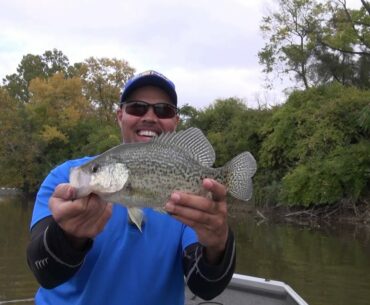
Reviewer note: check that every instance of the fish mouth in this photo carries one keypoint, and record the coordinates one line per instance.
(80, 181)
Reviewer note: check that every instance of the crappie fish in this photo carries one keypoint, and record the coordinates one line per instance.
(145, 174)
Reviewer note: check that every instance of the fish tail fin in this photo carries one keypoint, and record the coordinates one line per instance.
(136, 216)
(240, 170)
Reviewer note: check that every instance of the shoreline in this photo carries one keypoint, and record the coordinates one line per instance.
(312, 216)
(10, 191)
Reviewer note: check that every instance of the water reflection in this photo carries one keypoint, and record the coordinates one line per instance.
(325, 265)
(15, 279)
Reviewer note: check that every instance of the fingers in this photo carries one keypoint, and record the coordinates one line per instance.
(184, 201)
(196, 210)
(210, 204)
(90, 225)
(217, 189)
(206, 215)
(84, 217)
(191, 210)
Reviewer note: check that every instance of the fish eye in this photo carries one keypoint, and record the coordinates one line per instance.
(94, 168)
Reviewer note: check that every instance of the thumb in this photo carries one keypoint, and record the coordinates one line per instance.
(65, 191)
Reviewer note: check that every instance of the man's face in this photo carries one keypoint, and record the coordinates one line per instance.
(143, 128)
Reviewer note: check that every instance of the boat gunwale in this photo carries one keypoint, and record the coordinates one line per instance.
(264, 286)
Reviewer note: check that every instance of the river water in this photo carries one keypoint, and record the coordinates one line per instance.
(326, 265)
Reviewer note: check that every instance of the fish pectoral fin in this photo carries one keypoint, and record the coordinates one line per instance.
(136, 216)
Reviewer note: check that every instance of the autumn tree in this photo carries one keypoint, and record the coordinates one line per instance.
(12, 144)
(54, 113)
(102, 80)
(57, 111)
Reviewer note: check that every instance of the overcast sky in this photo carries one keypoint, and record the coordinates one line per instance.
(207, 47)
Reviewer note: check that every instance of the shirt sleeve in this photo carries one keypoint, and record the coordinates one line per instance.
(206, 280)
(50, 256)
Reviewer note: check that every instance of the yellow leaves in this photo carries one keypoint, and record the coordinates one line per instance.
(8, 113)
(57, 101)
(51, 133)
(71, 114)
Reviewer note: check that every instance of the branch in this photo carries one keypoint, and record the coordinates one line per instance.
(366, 6)
(350, 20)
(361, 23)
(344, 51)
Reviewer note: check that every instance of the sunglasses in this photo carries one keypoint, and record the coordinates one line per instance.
(140, 108)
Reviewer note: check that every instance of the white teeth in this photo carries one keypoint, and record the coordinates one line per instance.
(147, 133)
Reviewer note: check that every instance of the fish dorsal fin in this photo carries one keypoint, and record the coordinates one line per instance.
(193, 141)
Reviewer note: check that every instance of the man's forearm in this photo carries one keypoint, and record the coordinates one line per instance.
(50, 255)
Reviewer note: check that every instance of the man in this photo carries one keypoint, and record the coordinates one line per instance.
(86, 251)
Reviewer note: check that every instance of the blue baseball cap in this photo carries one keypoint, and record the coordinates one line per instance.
(149, 78)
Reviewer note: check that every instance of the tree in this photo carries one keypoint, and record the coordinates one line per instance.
(33, 66)
(55, 111)
(17, 150)
(55, 61)
(316, 146)
(57, 102)
(341, 175)
(344, 44)
(188, 117)
(318, 42)
(231, 127)
(288, 30)
(102, 80)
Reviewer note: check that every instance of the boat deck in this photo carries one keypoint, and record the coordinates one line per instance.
(247, 290)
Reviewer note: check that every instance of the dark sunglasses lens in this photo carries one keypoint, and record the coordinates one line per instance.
(164, 111)
(137, 108)
(161, 110)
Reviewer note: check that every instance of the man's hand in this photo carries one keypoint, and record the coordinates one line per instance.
(207, 216)
(80, 219)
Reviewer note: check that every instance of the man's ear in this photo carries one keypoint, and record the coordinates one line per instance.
(177, 120)
(119, 117)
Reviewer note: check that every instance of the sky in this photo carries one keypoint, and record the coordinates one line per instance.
(208, 48)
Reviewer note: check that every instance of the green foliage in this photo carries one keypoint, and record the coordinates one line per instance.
(34, 66)
(343, 174)
(314, 149)
(102, 80)
(17, 148)
(317, 42)
(231, 127)
(364, 119)
(100, 138)
(10, 141)
(55, 111)
(188, 117)
(289, 30)
(317, 145)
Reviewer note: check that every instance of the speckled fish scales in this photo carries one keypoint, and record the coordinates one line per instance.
(145, 174)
